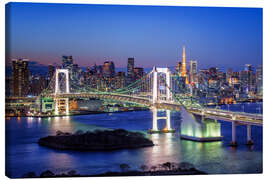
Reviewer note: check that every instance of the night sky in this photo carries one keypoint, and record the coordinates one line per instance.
(154, 35)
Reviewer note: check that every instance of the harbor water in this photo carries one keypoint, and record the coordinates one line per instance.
(23, 154)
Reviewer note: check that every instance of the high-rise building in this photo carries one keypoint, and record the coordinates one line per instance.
(138, 73)
(93, 69)
(193, 70)
(178, 68)
(130, 70)
(184, 71)
(221, 77)
(244, 79)
(99, 69)
(20, 77)
(248, 67)
(75, 71)
(247, 78)
(120, 80)
(193, 67)
(8, 84)
(51, 71)
(36, 85)
(108, 69)
(229, 74)
(259, 80)
(67, 62)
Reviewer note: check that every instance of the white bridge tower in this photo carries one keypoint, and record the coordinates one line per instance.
(61, 104)
(157, 99)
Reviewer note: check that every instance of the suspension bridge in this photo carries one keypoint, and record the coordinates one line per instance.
(158, 90)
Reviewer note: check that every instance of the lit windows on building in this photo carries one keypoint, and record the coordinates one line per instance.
(20, 77)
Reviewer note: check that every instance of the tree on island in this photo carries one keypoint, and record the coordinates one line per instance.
(143, 167)
(78, 132)
(153, 168)
(167, 165)
(124, 167)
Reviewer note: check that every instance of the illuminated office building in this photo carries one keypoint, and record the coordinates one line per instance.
(108, 69)
(20, 77)
(130, 70)
(193, 70)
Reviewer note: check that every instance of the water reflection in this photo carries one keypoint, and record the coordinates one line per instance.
(24, 154)
(29, 120)
(166, 149)
(200, 146)
(169, 144)
(18, 119)
(60, 123)
(39, 120)
(55, 123)
(62, 159)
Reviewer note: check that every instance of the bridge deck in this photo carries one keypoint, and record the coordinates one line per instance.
(240, 117)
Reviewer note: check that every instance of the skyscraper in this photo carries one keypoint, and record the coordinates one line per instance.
(130, 70)
(259, 80)
(120, 80)
(75, 71)
(228, 74)
(51, 71)
(108, 69)
(138, 73)
(248, 67)
(193, 67)
(20, 77)
(8, 84)
(178, 68)
(184, 71)
(250, 77)
(67, 62)
(193, 70)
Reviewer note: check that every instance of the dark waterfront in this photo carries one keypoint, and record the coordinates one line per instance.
(23, 154)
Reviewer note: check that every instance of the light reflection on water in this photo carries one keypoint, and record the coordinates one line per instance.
(24, 154)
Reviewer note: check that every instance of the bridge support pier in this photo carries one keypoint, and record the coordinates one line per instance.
(155, 128)
(249, 140)
(61, 105)
(167, 129)
(168, 120)
(202, 116)
(67, 106)
(56, 110)
(233, 142)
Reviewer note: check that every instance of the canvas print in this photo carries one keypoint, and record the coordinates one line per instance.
(131, 90)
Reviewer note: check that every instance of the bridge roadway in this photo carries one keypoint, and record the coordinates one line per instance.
(239, 117)
(121, 97)
(21, 98)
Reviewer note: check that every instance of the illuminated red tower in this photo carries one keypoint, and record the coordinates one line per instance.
(184, 72)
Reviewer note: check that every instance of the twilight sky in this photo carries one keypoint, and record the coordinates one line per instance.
(154, 35)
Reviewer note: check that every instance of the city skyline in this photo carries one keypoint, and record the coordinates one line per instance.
(79, 34)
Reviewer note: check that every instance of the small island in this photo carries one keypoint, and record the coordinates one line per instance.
(96, 141)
